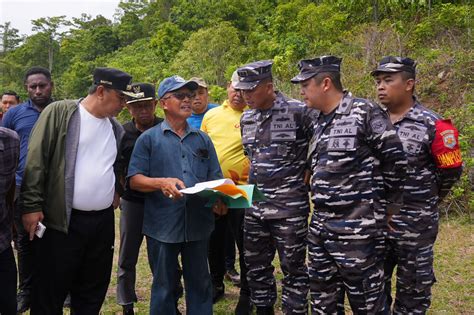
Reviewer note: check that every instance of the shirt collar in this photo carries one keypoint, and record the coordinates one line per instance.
(416, 112)
(345, 105)
(226, 105)
(166, 126)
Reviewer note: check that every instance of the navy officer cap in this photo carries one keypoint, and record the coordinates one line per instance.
(251, 74)
(143, 92)
(311, 67)
(113, 79)
(393, 64)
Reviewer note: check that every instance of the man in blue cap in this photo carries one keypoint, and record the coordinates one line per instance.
(167, 158)
(275, 133)
(69, 187)
(358, 171)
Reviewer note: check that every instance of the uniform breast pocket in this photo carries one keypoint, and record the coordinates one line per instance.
(200, 165)
(341, 155)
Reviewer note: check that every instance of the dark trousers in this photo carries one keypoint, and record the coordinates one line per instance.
(7, 282)
(262, 239)
(79, 262)
(163, 259)
(229, 249)
(24, 249)
(217, 245)
(354, 266)
(131, 237)
(415, 275)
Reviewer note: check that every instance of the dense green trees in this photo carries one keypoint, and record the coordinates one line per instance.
(210, 38)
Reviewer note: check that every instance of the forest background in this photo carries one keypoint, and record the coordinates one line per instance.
(210, 39)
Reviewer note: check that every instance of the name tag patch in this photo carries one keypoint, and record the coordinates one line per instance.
(343, 131)
(283, 122)
(412, 132)
(341, 144)
(248, 133)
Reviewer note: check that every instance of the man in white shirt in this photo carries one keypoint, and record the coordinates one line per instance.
(69, 186)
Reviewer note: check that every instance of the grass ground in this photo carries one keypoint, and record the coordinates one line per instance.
(452, 294)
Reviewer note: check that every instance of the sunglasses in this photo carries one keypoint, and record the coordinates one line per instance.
(181, 96)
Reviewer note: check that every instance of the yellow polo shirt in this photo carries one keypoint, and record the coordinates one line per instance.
(222, 124)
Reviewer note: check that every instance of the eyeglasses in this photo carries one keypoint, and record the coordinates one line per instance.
(181, 96)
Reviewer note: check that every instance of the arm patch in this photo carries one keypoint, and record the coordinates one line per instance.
(445, 146)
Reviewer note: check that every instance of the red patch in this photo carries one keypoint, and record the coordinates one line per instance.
(445, 146)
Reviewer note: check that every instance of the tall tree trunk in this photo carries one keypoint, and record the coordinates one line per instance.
(50, 54)
(376, 11)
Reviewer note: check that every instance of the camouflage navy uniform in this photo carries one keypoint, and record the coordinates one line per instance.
(434, 165)
(358, 172)
(276, 142)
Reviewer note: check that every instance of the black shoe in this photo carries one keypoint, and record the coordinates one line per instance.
(233, 276)
(217, 292)
(128, 309)
(244, 306)
(23, 302)
(265, 310)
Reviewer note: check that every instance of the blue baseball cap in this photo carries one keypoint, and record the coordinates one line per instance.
(175, 83)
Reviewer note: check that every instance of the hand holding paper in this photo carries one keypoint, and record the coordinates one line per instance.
(234, 196)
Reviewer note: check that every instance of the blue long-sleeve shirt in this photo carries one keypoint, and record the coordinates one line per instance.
(21, 119)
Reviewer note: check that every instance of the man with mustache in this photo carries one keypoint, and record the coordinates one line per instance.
(166, 158)
(275, 133)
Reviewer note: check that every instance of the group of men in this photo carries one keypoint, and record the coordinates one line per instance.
(375, 175)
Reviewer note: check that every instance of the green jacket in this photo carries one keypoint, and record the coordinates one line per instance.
(48, 181)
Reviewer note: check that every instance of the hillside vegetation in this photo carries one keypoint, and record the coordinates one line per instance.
(211, 38)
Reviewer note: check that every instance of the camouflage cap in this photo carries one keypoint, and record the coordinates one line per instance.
(392, 64)
(311, 67)
(251, 74)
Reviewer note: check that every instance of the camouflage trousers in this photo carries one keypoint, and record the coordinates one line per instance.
(415, 275)
(353, 266)
(262, 238)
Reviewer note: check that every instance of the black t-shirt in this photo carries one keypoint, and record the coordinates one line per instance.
(126, 149)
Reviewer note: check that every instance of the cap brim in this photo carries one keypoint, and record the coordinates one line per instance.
(192, 85)
(139, 100)
(246, 85)
(302, 77)
(386, 70)
(130, 94)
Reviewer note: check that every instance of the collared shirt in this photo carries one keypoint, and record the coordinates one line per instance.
(195, 120)
(276, 141)
(9, 153)
(358, 166)
(21, 118)
(126, 148)
(426, 183)
(222, 124)
(160, 152)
